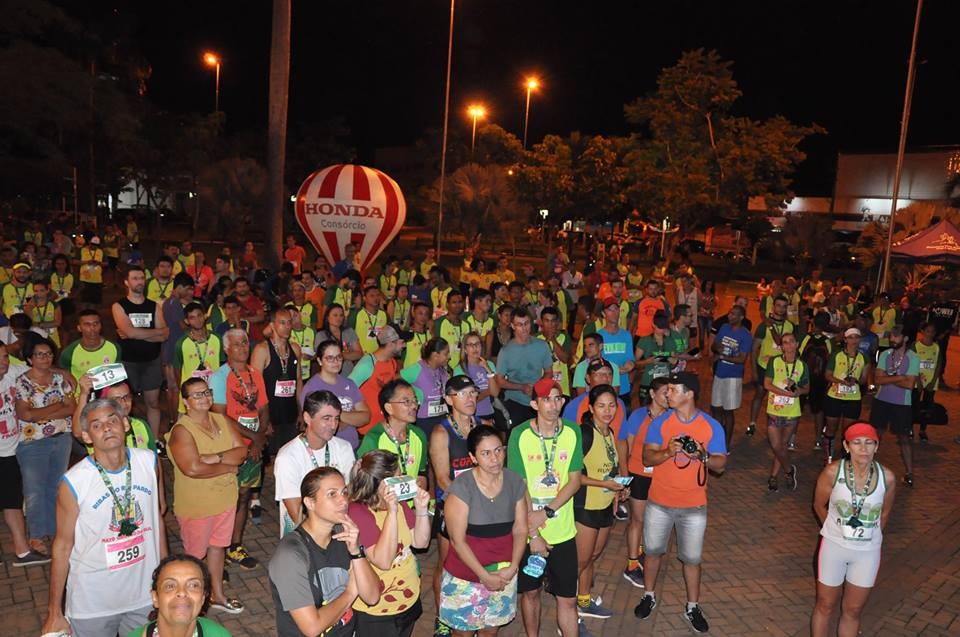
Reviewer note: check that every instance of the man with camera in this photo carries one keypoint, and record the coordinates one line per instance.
(681, 445)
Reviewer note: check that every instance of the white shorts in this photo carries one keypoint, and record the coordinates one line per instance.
(726, 393)
(836, 563)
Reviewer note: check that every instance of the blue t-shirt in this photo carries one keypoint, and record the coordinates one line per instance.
(732, 342)
(523, 363)
(907, 365)
(632, 426)
(869, 343)
(618, 349)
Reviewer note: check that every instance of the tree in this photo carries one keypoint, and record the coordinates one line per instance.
(277, 128)
(804, 235)
(481, 200)
(694, 161)
(235, 191)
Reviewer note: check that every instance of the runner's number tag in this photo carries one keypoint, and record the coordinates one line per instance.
(858, 534)
(783, 401)
(285, 389)
(141, 319)
(124, 552)
(249, 422)
(404, 487)
(436, 408)
(106, 375)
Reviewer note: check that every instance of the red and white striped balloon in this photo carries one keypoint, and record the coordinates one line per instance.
(344, 204)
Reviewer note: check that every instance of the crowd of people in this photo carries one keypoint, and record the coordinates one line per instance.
(513, 418)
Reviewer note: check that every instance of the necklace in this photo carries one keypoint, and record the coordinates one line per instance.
(486, 489)
(548, 459)
(201, 357)
(402, 452)
(313, 459)
(284, 358)
(610, 448)
(249, 397)
(125, 510)
(850, 479)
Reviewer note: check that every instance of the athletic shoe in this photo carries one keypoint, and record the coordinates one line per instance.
(594, 609)
(645, 607)
(440, 629)
(621, 513)
(792, 477)
(751, 429)
(772, 484)
(583, 631)
(923, 437)
(634, 576)
(239, 556)
(908, 479)
(696, 620)
(792, 445)
(817, 444)
(230, 605)
(30, 559)
(256, 513)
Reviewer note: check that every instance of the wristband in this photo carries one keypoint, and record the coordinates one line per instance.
(533, 537)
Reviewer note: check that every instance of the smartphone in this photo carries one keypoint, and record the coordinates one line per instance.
(694, 351)
(624, 480)
(337, 528)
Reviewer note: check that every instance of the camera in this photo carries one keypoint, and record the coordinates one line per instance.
(850, 380)
(689, 445)
(791, 387)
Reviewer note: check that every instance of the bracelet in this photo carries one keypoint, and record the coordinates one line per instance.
(425, 514)
(532, 537)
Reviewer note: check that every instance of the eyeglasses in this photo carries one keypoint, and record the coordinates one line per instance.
(407, 402)
(197, 395)
(42, 354)
(333, 359)
(465, 393)
(496, 451)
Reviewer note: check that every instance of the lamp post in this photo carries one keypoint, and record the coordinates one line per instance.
(476, 111)
(213, 60)
(446, 121)
(532, 84)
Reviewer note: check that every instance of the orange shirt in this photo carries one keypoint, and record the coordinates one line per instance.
(645, 311)
(381, 373)
(675, 479)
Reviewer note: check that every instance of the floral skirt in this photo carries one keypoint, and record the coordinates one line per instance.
(470, 606)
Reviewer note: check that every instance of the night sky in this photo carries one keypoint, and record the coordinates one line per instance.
(380, 64)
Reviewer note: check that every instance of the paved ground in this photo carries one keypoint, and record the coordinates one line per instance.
(758, 573)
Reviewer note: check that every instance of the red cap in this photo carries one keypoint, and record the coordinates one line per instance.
(861, 430)
(610, 300)
(541, 388)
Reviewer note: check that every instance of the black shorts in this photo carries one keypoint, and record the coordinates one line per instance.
(400, 624)
(438, 526)
(144, 376)
(639, 487)
(818, 391)
(836, 408)
(898, 417)
(759, 374)
(561, 571)
(11, 495)
(594, 518)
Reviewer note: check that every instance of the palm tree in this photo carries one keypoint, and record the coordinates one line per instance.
(234, 190)
(482, 200)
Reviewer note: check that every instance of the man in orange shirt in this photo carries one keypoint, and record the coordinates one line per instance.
(680, 446)
(375, 370)
(649, 305)
(294, 254)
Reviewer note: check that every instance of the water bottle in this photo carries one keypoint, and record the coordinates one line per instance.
(535, 565)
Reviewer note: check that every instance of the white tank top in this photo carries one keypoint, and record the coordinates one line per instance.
(102, 559)
(867, 535)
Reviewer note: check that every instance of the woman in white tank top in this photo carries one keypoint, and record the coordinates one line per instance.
(853, 500)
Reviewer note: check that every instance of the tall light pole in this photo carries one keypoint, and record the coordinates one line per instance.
(476, 111)
(211, 59)
(446, 122)
(532, 84)
(901, 148)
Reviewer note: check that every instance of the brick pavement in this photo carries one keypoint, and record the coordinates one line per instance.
(759, 553)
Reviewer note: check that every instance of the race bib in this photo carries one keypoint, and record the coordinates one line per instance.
(285, 389)
(404, 487)
(436, 408)
(249, 422)
(928, 364)
(140, 319)
(857, 534)
(106, 375)
(204, 374)
(847, 389)
(124, 552)
(783, 401)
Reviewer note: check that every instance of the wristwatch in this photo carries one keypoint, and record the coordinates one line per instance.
(360, 554)
(550, 512)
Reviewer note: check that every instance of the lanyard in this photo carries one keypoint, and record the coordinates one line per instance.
(402, 452)
(548, 458)
(163, 288)
(202, 357)
(897, 362)
(20, 297)
(313, 459)
(400, 317)
(60, 281)
(791, 369)
(43, 313)
(125, 511)
(250, 403)
(851, 483)
(284, 360)
(610, 447)
(851, 360)
(371, 319)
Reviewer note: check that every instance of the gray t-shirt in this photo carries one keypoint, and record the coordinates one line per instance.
(483, 512)
(523, 363)
(303, 574)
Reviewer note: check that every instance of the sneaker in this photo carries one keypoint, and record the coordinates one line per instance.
(817, 444)
(645, 607)
(440, 629)
(792, 477)
(923, 437)
(908, 479)
(239, 556)
(32, 558)
(751, 429)
(772, 484)
(792, 445)
(621, 513)
(229, 605)
(594, 609)
(634, 576)
(161, 448)
(256, 514)
(583, 631)
(696, 620)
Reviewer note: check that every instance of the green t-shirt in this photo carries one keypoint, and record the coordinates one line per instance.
(209, 627)
(367, 326)
(78, 360)
(415, 448)
(782, 374)
(452, 334)
(198, 359)
(527, 455)
(673, 343)
(842, 365)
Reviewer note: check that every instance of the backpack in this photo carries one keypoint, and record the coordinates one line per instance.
(815, 356)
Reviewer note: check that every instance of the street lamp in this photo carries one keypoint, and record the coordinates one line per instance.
(213, 60)
(532, 84)
(446, 121)
(476, 111)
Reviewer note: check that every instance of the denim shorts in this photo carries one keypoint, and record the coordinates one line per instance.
(690, 522)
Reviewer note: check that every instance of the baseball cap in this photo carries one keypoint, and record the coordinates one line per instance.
(387, 335)
(22, 264)
(598, 364)
(861, 430)
(541, 388)
(688, 380)
(852, 332)
(610, 300)
(95, 241)
(459, 383)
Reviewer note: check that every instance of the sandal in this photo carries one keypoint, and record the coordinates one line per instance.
(230, 605)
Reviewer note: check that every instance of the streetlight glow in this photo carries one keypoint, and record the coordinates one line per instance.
(476, 111)
(532, 84)
(213, 60)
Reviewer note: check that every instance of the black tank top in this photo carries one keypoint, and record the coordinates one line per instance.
(143, 315)
(459, 456)
(283, 408)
